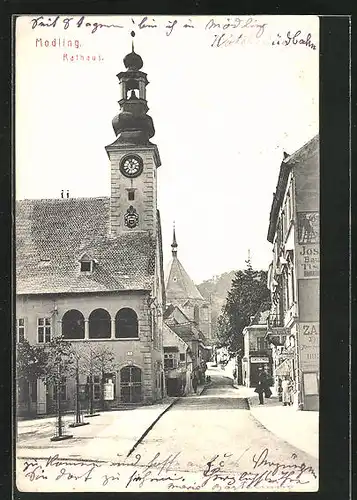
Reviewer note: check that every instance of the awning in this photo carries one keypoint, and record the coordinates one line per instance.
(284, 368)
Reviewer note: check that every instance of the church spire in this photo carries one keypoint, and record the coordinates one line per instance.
(174, 243)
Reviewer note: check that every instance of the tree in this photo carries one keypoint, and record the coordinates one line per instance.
(95, 360)
(248, 295)
(59, 364)
(31, 363)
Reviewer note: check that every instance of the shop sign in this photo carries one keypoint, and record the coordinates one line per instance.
(308, 261)
(309, 334)
(109, 391)
(259, 360)
(309, 358)
(308, 227)
(309, 342)
(285, 355)
(279, 331)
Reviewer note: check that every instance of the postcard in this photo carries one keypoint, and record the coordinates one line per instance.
(167, 253)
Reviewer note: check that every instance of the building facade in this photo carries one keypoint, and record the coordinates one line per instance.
(91, 269)
(177, 364)
(293, 278)
(257, 351)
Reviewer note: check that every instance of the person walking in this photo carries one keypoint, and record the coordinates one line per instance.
(286, 386)
(195, 383)
(280, 390)
(262, 385)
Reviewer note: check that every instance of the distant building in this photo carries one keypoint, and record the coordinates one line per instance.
(181, 291)
(90, 269)
(177, 363)
(293, 278)
(257, 351)
(187, 313)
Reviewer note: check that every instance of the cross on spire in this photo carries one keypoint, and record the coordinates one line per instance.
(132, 42)
(174, 242)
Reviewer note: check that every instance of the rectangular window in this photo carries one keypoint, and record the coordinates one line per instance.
(288, 208)
(131, 195)
(182, 356)
(44, 330)
(96, 387)
(292, 277)
(33, 389)
(170, 360)
(262, 344)
(63, 389)
(284, 225)
(20, 329)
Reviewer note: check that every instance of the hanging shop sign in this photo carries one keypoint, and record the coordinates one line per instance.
(285, 355)
(261, 359)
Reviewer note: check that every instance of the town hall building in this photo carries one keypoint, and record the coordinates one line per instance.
(91, 269)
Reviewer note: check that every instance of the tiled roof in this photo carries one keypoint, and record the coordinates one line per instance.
(178, 283)
(187, 330)
(184, 332)
(53, 234)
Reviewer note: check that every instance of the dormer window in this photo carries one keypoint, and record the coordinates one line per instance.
(87, 263)
(86, 266)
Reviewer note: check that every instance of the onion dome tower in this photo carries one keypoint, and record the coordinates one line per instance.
(132, 125)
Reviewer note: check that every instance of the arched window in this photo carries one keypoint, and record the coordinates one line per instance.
(126, 324)
(99, 324)
(73, 325)
(196, 315)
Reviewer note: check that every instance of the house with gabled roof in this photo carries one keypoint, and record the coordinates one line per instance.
(187, 313)
(91, 269)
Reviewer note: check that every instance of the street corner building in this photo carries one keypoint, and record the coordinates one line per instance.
(293, 277)
(257, 353)
(91, 269)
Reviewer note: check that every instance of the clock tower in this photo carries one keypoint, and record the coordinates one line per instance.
(134, 159)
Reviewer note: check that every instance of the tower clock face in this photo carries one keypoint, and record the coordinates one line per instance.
(131, 166)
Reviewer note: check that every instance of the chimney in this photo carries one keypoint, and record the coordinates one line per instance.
(62, 193)
(67, 193)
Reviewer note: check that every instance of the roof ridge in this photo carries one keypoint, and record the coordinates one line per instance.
(63, 200)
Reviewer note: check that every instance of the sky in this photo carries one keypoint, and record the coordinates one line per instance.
(223, 112)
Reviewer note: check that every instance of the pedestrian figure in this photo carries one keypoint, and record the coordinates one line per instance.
(195, 384)
(280, 390)
(286, 386)
(262, 386)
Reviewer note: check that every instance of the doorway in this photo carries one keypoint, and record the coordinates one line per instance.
(130, 384)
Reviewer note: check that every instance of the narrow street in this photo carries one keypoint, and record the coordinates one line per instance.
(207, 442)
(218, 424)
